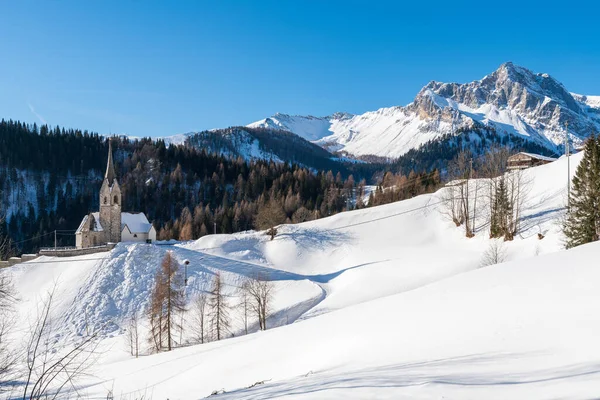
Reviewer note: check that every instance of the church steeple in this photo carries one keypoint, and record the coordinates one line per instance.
(110, 169)
(110, 202)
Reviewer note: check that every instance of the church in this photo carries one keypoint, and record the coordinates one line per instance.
(110, 225)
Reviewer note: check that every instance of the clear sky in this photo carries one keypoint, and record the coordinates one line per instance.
(148, 68)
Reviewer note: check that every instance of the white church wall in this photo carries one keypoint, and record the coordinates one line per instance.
(127, 236)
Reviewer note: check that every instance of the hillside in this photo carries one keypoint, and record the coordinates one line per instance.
(252, 144)
(398, 284)
(50, 178)
(511, 101)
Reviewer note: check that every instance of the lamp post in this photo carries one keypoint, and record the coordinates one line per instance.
(186, 263)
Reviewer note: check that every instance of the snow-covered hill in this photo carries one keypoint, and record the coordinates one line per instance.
(384, 302)
(512, 100)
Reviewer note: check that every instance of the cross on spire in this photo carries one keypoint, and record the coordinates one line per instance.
(110, 169)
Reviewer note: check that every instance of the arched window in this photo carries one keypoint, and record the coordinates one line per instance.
(105, 200)
(116, 200)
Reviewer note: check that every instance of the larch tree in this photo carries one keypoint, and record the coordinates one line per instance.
(269, 216)
(166, 302)
(218, 308)
(260, 290)
(582, 223)
(199, 310)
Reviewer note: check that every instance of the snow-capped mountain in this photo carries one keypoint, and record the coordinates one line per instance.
(511, 100)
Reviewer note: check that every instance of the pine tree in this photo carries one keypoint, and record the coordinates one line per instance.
(500, 210)
(582, 224)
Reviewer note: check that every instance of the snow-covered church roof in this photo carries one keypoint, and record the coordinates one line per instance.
(96, 228)
(135, 222)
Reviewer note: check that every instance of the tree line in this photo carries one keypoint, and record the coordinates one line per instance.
(50, 179)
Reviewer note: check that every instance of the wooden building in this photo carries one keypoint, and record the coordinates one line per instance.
(527, 160)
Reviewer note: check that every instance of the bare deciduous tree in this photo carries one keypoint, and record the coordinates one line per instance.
(50, 370)
(518, 186)
(7, 352)
(461, 169)
(494, 254)
(218, 309)
(199, 310)
(244, 304)
(452, 207)
(269, 216)
(261, 290)
(167, 300)
(133, 335)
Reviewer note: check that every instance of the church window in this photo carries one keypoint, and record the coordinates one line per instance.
(135, 235)
(116, 200)
(105, 200)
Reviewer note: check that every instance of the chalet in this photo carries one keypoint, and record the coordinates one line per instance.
(527, 160)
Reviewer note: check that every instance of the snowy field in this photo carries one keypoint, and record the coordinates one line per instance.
(387, 302)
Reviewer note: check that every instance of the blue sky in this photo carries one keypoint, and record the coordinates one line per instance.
(148, 68)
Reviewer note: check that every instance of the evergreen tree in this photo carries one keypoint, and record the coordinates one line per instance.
(582, 224)
(500, 210)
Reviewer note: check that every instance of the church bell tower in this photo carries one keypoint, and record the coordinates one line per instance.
(110, 202)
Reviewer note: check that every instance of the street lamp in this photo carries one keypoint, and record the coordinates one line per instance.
(186, 263)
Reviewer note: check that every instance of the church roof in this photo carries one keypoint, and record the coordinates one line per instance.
(136, 222)
(96, 228)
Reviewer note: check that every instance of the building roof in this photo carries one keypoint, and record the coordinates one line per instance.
(96, 228)
(536, 156)
(135, 222)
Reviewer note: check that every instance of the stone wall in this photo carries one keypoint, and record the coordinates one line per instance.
(90, 239)
(18, 260)
(73, 251)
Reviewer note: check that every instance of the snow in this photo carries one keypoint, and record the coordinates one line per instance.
(97, 227)
(391, 132)
(136, 222)
(384, 302)
(539, 157)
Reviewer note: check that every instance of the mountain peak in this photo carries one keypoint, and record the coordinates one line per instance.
(515, 73)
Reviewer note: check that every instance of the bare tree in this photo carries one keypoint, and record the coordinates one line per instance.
(50, 370)
(244, 304)
(452, 207)
(269, 216)
(495, 253)
(518, 186)
(261, 290)
(155, 315)
(5, 242)
(133, 336)
(460, 170)
(302, 214)
(218, 309)
(7, 353)
(199, 310)
(493, 168)
(167, 300)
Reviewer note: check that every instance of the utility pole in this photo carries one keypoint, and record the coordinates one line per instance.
(215, 226)
(55, 240)
(568, 154)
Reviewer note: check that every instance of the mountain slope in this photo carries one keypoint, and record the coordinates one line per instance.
(261, 144)
(511, 100)
(389, 293)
